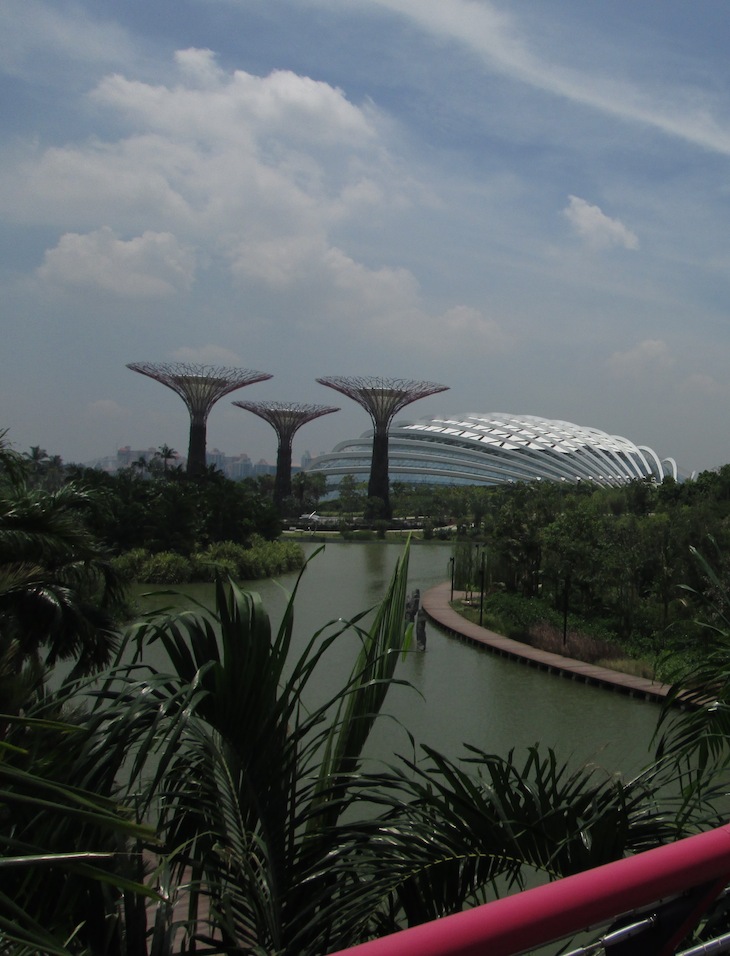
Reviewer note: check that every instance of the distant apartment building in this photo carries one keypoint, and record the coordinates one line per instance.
(126, 456)
(236, 467)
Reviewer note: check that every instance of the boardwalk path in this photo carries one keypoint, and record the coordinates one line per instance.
(436, 603)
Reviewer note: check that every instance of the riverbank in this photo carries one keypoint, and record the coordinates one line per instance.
(436, 603)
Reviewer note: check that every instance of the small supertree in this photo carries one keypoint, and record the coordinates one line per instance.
(200, 387)
(382, 399)
(286, 418)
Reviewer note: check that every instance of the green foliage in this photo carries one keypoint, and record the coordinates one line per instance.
(171, 511)
(206, 568)
(59, 595)
(257, 780)
(129, 566)
(698, 735)
(614, 557)
(64, 842)
(268, 817)
(166, 567)
(351, 494)
(257, 559)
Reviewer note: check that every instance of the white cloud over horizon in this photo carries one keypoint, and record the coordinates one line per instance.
(598, 229)
(152, 265)
(645, 359)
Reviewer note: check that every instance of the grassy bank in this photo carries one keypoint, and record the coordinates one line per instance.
(259, 559)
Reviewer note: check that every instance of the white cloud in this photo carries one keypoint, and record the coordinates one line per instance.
(598, 229)
(500, 39)
(252, 170)
(152, 265)
(279, 261)
(222, 107)
(645, 360)
(218, 154)
(200, 66)
(32, 31)
(705, 386)
(472, 329)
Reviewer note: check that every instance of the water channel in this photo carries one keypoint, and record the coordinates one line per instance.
(459, 693)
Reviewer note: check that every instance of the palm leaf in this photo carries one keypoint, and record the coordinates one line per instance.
(48, 818)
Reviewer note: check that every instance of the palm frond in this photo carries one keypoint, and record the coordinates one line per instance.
(48, 818)
(694, 724)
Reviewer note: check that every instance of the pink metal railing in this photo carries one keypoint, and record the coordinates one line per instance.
(533, 918)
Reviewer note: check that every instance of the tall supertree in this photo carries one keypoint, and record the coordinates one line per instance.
(200, 387)
(286, 418)
(382, 399)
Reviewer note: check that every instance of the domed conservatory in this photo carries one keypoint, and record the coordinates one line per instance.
(492, 449)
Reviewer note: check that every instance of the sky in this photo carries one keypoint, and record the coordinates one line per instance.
(525, 201)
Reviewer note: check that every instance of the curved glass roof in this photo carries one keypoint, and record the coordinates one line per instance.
(494, 448)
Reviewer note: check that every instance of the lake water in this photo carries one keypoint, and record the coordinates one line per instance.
(459, 693)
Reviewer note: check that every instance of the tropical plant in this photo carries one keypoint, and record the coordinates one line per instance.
(694, 727)
(287, 843)
(58, 593)
(260, 777)
(494, 821)
(276, 834)
(165, 454)
(67, 853)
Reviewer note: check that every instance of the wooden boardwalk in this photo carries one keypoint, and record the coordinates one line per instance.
(436, 603)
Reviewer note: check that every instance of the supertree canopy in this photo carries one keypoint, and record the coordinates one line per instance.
(200, 387)
(382, 399)
(286, 418)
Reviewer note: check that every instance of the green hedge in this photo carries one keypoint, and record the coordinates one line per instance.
(261, 559)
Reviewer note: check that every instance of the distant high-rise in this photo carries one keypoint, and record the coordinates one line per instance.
(200, 387)
(382, 399)
(286, 418)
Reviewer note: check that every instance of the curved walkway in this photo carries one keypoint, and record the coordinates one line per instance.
(436, 603)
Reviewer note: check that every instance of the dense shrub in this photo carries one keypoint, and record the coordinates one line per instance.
(205, 568)
(130, 564)
(260, 559)
(166, 567)
(266, 558)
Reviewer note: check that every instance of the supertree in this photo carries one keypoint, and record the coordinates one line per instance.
(286, 418)
(200, 387)
(382, 399)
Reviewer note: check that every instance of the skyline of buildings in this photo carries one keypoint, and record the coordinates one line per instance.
(236, 467)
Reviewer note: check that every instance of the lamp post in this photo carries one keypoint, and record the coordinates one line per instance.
(481, 586)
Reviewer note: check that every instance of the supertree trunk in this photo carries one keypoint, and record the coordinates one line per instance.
(379, 483)
(196, 448)
(282, 482)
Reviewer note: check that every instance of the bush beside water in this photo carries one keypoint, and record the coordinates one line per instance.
(259, 559)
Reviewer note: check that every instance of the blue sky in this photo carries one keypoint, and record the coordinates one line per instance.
(525, 201)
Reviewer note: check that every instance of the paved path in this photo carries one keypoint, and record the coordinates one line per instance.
(436, 603)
